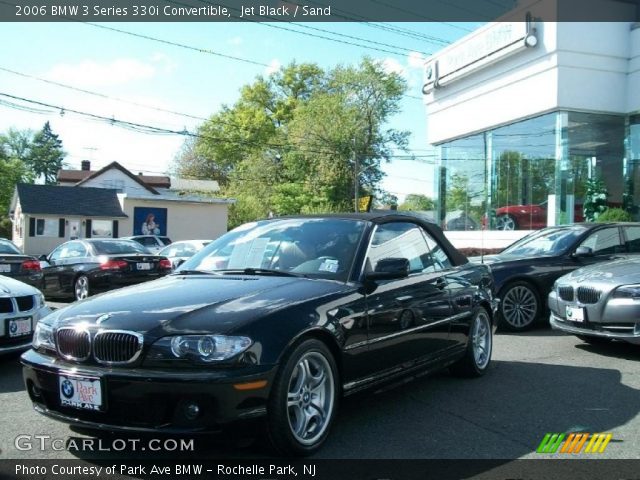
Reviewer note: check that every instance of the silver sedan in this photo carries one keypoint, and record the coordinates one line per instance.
(599, 303)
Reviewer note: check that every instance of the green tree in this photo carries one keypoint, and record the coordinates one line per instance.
(293, 141)
(46, 156)
(417, 201)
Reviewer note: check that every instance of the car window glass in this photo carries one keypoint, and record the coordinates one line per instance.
(149, 242)
(438, 259)
(165, 240)
(399, 240)
(633, 239)
(73, 250)
(604, 242)
(114, 247)
(6, 247)
(56, 254)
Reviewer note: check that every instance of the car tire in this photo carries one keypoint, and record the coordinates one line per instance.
(477, 356)
(81, 288)
(519, 307)
(506, 222)
(303, 400)
(594, 340)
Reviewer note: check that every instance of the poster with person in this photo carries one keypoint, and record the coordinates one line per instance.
(149, 221)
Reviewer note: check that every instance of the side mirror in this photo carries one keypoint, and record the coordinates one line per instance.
(389, 269)
(583, 252)
(180, 262)
(42, 258)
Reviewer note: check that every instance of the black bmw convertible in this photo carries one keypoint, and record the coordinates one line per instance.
(276, 319)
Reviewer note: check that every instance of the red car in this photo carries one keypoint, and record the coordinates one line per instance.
(528, 217)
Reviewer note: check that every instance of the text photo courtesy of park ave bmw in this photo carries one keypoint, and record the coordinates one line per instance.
(369, 239)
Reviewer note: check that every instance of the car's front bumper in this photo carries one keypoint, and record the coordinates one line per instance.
(11, 345)
(145, 399)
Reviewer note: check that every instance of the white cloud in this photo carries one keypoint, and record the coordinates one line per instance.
(416, 60)
(235, 41)
(90, 73)
(165, 61)
(391, 65)
(274, 66)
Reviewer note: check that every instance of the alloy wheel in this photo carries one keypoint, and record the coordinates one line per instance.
(505, 222)
(519, 307)
(481, 340)
(310, 398)
(82, 287)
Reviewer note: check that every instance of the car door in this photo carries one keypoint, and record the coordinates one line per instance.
(407, 317)
(58, 274)
(51, 269)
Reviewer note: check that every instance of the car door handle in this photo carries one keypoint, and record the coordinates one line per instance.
(441, 283)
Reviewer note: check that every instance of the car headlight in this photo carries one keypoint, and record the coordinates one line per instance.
(627, 291)
(198, 348)
(40, 302)
(43, 336)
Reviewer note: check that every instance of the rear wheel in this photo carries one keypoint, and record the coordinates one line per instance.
(81, 287)
(477, 357)
(519, 306)
(303, 400)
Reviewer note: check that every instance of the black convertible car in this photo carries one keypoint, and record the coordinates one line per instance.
(80, 268)
(15, 264)
(525, 271)
(276, 319)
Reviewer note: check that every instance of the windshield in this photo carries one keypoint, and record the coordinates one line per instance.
(117, 247)
(313, 247)
(547, 242)
(6, 247)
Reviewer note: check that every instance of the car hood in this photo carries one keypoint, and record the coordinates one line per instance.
(193, 303)
(623, 271)
(14, 288)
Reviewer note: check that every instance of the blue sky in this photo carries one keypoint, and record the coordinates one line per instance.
(168, 77)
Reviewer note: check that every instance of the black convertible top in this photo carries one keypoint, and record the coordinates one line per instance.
(390, 216)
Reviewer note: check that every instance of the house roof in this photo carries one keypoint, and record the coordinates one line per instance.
(80, 176)
(57, 200)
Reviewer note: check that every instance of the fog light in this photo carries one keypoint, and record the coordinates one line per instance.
(37, 393)
(191, 410)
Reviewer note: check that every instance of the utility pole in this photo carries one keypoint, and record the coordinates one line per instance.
(356, 173)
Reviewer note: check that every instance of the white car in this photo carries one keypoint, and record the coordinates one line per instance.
(153, 243)
(21, 307)
(179, 252)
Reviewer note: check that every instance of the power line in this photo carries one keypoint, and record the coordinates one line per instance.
(101, 95)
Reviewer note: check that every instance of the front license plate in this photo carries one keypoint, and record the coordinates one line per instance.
(575, 314)
(80, 392)
(19, 327)
(5, 268)
(144, 266)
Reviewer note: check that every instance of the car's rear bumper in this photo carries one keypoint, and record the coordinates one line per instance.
(137, 399)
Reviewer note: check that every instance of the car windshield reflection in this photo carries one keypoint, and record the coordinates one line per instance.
(553, 241)
(313, 247)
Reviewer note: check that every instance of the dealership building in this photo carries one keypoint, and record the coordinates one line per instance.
(524, 114)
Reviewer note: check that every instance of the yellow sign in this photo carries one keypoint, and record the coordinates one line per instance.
(364, 203)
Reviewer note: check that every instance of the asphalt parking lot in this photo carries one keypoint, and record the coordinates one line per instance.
(539, 382)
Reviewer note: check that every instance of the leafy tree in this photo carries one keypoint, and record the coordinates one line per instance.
(293, 140)
(417, 201)
(46, 155)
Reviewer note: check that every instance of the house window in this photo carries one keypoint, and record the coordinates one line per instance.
(101, 228)
(46, 227)
(113, 183)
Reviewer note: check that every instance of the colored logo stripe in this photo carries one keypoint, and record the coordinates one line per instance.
(574, 442)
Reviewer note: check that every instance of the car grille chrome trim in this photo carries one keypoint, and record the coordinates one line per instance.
(588, 295)
(566, 293)
(73, 344)
(117, 347)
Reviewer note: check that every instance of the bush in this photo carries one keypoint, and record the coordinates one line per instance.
(614, 215)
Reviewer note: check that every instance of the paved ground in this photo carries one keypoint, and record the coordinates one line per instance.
(539, 382)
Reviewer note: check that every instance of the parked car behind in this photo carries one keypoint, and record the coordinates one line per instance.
(80, 268)
(153, 243)
(525, 271)
(277, 319)
(21, 307)
(599, 303)
(14, 264)
(179, 252)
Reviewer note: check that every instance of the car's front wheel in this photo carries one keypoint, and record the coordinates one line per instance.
(303, 400)
(519, 306)
(81, 287)
(506, 222)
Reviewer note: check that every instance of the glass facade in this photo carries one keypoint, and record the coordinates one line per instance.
(534, 173)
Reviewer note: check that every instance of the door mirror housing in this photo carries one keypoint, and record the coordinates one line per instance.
(389, 269)
(583, 252)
